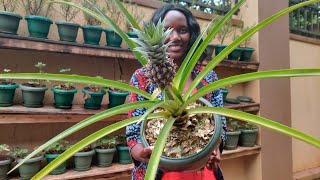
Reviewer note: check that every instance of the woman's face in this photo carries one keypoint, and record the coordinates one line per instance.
(180, 35)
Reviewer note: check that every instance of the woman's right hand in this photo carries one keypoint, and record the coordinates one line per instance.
(140, 153)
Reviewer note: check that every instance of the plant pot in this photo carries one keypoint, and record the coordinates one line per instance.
(248, 137)
(112, 38)
(235, 54)
(60, 169)
(95, 99)
(210, 49)
(67, 31)
(9, 22)
(246, 54)
(5, 164)
(33, 96)
(38, 26)
(82, 160)
(91, 34)
(116, 98)
(132, 34)
(30, 167)
(63, 98)
(232, 140)
(224, 92)
(123, 154)
(218, 48)
(105, 156)
(195, 161)
(7, 92)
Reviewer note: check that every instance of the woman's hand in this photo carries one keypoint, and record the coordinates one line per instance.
(140, 153)
(214, 160)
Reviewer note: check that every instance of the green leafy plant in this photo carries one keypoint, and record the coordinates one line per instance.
(176, 100)
(245, 29)
(66, 85)
(232, 125)
(19, 153)
(121, 140)
(224, 32)
(37, 7)
(57, 147)
(8, 5)
(106, 143)
(4, 149)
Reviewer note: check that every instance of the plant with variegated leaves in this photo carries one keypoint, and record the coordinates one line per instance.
(149, 53)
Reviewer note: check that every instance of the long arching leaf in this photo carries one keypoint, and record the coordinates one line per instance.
(253, 76)
(259, 121)
(106, 20)
(158, 149)
(86, 122)
(185, 73)
(89, 140)
(77, 79)
(216, 60)
(129, 17)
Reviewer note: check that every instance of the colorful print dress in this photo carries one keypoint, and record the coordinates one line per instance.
(140, 80)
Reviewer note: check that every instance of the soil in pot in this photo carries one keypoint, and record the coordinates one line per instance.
(63, 96)
(9, 22)
(190, 142)
(7, 91)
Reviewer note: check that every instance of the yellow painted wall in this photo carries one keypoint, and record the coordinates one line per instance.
(305, 99)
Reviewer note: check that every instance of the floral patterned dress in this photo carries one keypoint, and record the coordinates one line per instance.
(140, 80)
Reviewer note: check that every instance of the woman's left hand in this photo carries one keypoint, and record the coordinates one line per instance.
(214, 160)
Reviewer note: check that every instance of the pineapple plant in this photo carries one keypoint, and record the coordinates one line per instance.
(176, 100)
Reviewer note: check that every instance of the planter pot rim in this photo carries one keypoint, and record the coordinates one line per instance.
(5, 162)
(98, 150)
(233, 132)
(249, 130)
(201, 154)
(80, 154)
(219, 45)
(32, 160)
(118, 93)
(43, 18)
(67, 23)
(122, 147)
(97, 27)
(101, 92)
(247, 48)
(27, 88)
(63, 91)
(9, 86)
(8, 13)
(51, 155)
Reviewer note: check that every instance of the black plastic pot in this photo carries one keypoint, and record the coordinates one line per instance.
(193, 162)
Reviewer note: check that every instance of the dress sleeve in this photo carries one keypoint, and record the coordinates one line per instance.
(133, 130)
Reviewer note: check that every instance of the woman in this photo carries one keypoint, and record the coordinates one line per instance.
(184, 33)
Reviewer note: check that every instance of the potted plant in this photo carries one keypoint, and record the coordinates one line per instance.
(221, 36)
(249, 133)
(246, 51)
(236, 53)
(37, 17)
(105, 149)
(68, 30)
(112, 38)
(83, 159)
(137, 14)
(33, 91)
(53, 151)
(93, 96)
(31, 166)
(123, 150)
(232, 134)
(7, 91)
(5, 160)
(64, 93)
(9, 21)
(92, 30)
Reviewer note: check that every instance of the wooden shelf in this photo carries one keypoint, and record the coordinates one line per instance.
(240, 152)
(46, 45)
(247, 107)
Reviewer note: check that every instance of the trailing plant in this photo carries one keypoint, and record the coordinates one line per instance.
(176, 99)
(9, 5)
(37, 7)
(68, 12)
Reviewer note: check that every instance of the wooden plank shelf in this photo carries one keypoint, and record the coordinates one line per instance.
(240, 152)
(46, 45)
(247, 107)
(123, 171)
